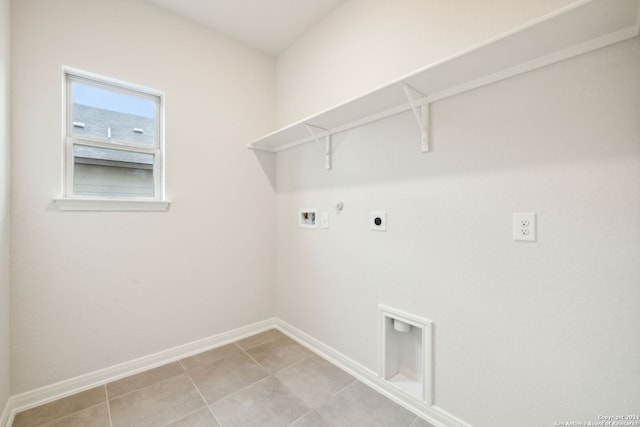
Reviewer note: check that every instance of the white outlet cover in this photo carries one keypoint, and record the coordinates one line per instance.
(381, 218)
(324, 219)
(524, 226)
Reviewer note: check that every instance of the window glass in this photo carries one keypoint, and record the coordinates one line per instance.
(114, 146)
(105, 172)
(113, 115)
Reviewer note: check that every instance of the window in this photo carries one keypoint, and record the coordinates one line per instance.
(113, 140)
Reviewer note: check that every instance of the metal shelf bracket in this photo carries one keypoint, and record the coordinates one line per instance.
(420, 108)
(317, 133)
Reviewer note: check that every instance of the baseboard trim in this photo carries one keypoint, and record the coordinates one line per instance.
(6, 418)
(23, 401)
(40, 396)
(431, 413)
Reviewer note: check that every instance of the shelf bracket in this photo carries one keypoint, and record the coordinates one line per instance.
(317, 133)
(420, 108)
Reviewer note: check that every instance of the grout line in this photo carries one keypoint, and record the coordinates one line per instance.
(286, 367)
(206, 404)
(184, 416)
(49, 423)
(237, 391)
(262, 343)
(244, 388)
(106, 393)
(323, 418)
(251, 357)
(148, 385)
(304, 359)
(355, 380)
(267, 342)
(328, 398)
(312, 409)
(311, 356)
(301, 416)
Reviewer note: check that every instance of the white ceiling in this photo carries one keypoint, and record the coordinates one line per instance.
(269, 25)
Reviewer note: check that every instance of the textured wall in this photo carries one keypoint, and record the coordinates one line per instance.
(4, 203)
(364, 44)
(526, 334)
(94, 289)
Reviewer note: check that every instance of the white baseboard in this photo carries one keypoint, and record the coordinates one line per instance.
(30, 399)
(6, 418)
(40, 396)
(431, 413)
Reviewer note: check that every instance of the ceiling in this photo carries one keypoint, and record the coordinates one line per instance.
(268, 25)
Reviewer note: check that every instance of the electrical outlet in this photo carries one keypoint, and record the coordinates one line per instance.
(524, 226)
(378, 221)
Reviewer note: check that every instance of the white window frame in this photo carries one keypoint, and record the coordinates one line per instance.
(71, 201)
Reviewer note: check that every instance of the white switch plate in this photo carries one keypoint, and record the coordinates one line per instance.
(524, 226)
(378, 221)
(324, 219)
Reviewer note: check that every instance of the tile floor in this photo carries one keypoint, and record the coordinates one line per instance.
(264, 380)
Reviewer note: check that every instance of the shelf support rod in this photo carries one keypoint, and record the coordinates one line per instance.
(420, 110)
(322, 133)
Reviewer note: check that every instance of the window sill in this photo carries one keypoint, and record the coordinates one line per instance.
(112, 205)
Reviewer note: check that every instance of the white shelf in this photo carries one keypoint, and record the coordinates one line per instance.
(576, 29)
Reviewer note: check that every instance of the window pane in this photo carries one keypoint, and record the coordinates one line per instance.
(110, 114)
(112, 173)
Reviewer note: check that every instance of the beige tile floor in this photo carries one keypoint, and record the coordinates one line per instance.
(264, 380)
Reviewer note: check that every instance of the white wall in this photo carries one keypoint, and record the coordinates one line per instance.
(364, 44)
(4, 203)
(526, 334)
(94, 289)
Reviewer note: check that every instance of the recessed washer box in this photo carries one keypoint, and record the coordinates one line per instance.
(308, 218)
(405, 352)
